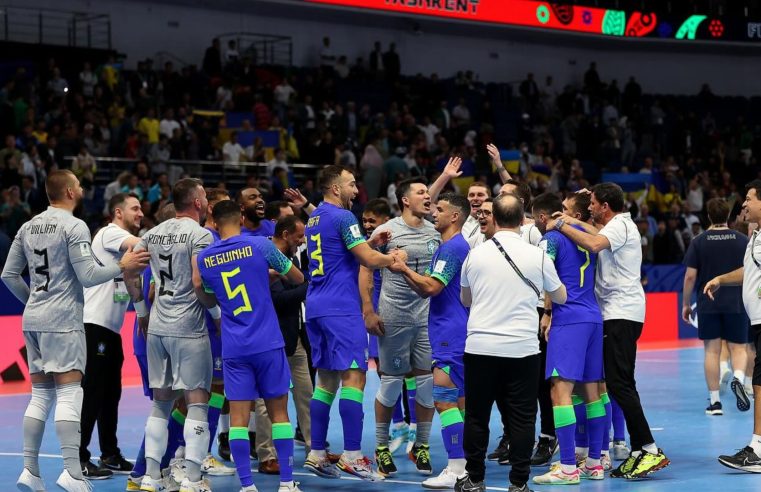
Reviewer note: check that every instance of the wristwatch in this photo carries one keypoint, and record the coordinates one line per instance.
(559, 224)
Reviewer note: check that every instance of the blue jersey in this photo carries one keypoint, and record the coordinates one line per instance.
(331, 233)
(237, 271)
(266, 229)
(377, 283)
(576, 269)
(447, 317)
(214, 234)
(138, 339)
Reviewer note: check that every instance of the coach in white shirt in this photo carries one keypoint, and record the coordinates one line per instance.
(749, 458)
(502, 346)
(622, 301)
(104, 309)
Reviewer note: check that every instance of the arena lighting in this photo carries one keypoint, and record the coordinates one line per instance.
(575, 18)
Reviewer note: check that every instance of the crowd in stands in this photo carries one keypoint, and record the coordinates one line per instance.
(365, 114)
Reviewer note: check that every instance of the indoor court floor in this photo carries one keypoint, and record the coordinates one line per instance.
(671, 385)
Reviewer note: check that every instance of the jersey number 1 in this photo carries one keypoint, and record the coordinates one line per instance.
(239, 290)
(43, 269)
(166, 275)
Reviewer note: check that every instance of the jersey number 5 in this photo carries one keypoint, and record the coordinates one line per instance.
(43, 269)
(316, 255)
(166, 275)
(239, 290)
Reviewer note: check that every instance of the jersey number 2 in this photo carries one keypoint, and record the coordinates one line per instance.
(316, 255)
(239, 290)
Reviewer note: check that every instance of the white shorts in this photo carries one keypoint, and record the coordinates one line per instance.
(53, 353)
(179, 363)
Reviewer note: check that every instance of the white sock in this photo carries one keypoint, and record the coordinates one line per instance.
(583, 452)
(604, 452)
(651, 448)
(399, 425)
(723, 366)
(353, 455)
(591, 463)
(714, 397)
(755, 443)
(156, 435)
(568, 469)
(740, 375)
(636, 453)
(748, 382)
(320, 453)
(546, 436)
(457, 466)
(252, 422)
(224, 422)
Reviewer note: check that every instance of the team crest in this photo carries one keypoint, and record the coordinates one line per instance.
(101, 348)
(218, 363)
(432, 245)
(397, 362)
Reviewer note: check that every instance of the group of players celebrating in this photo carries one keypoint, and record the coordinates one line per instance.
(397, 280)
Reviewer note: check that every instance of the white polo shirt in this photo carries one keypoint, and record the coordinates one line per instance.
(471, 228)
(503, 321)
(618, 286)
(752, 279)
(106, 303)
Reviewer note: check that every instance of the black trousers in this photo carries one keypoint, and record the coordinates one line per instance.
(546, 416)
(620, 354)
(501, 379)
(102, 388)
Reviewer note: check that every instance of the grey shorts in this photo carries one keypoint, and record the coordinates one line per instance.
(179, 363)
(402, 349)
(52, 353)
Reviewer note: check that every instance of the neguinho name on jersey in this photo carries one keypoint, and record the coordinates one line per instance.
(228, 256)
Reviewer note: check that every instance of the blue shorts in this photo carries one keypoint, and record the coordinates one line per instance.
(263, 375)
(732, 327)
(372, 349)
(338, 342)
(454, 367)
(216, 354)
(574, 352)
(142, 363)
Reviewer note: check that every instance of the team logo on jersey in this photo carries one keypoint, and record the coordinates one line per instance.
(101, 348)
(432, 245)
(397, 362)
(355, 231)
(218, 363)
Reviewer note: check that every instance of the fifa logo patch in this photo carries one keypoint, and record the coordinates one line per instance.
(397, 362)
(432, 245)
(101, 348)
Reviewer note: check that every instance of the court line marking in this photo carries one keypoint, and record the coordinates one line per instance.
(296, 473)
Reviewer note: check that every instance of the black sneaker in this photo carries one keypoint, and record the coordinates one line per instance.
(421, 456)
(252, 444)
(745, 459)
(223, 445)
(465, 484)
(298, 438)
(515, 488)
(92, 472)
(545, 450)
(743, 402)
(714, 408)
(386, 466)
(117, 464)
(501, 450)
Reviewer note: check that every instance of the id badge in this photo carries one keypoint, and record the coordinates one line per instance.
(120, 291)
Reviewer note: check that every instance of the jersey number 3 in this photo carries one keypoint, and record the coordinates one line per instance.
(240, 290)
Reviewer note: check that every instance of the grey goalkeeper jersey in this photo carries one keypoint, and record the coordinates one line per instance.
(398, 304)
(176, 310)
(56, 246)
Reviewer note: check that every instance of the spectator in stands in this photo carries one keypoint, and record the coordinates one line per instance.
(84, 168)
(262, 113)
(461, 113)
(283, 93)
(133, 186)
(88, 80)
(232, 152)
(392, 63)
(168, 124)
(212, 59)
(231, 53)
(395, 165)
(14, 212)
(159, 155)
(529, 90)
(327, 56)
(150, 126)
(224, 96)
(278, 162)
(57, 85)
(376, 59)
(10, 149)
(342, 67)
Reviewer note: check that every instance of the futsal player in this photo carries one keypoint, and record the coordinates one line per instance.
(236, 269)
(55, 246)
(334, 321)
(179, 353)
(447, 329)
(403, 343)
(574, 350)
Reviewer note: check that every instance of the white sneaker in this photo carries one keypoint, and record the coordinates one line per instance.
(180, 453)
(361, 467)
(71, 484)
(148, 484)
(289, 487)
(133, 483)
(619, 451)
(178, 470)
(28, 482)
(202, 485)
(726, 376)
(398, 436)
(607, 465)
(411, 438)
(250, 488)
(445, 480)
(170, 484)
(212, 466)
